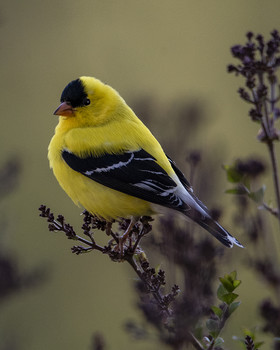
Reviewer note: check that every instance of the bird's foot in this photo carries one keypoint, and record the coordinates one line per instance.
(122, 239)
(108, 229)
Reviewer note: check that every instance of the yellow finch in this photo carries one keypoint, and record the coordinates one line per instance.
(108, 161)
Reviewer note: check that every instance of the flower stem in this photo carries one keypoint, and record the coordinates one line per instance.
(275, 175)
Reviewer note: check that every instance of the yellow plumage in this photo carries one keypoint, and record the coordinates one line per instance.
(107, 125)
(109, 162)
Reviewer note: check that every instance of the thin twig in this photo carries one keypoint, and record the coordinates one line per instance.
(268, 208)
(195, 342)
(275, 175)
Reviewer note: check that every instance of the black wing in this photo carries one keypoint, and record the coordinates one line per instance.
(134, 173)
(138, 174)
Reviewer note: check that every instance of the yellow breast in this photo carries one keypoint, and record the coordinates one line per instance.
(109, 138)
(94, 197)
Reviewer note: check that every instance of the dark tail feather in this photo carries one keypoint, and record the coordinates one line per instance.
(214, 228)
(219, 232)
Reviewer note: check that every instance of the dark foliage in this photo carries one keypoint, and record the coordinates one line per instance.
(174, 315)
(259, 62)
(271, 315)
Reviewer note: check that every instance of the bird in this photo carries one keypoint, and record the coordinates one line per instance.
(109, 162)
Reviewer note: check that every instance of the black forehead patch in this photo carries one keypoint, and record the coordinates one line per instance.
(74, 93)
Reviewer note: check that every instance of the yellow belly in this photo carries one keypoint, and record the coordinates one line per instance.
(98, 199)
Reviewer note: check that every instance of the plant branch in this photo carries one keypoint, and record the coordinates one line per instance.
(275, 175)
(195, 342)
(155, 290)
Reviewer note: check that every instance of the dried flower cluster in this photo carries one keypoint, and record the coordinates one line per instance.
(151, 280)
(259, 62)
(174, 315)
(195, 261)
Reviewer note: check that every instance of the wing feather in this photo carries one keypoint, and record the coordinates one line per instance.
(180, 175)
(135, 173)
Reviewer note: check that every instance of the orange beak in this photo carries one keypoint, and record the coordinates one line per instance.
(65, 110)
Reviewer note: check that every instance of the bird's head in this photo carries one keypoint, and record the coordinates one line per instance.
(87, 101)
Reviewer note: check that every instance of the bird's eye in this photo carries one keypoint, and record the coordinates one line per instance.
(86, 102)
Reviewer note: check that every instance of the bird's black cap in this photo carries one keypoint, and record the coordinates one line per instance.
(74, 93)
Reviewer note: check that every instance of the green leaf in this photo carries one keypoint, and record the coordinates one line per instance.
(233, 306)
(221, 292)
(229, 298)
(213, 327)
(227, 283)
(258, 195)
(217, 311)
(247, 331)
(232, 276)
(237, 190)
(198, 331)
(232, 174)
(236, 283)
(219, 342)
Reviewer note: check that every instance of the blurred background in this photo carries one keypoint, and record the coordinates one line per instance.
(163, 57)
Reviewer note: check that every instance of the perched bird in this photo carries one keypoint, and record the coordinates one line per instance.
(109, 162)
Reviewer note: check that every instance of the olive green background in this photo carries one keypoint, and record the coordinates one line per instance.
(165, 50)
